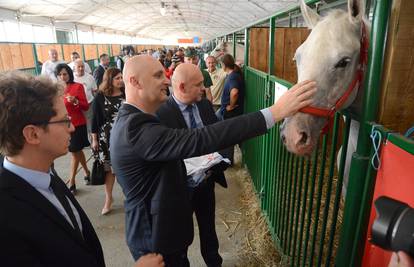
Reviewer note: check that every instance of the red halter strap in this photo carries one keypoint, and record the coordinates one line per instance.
(359, 75)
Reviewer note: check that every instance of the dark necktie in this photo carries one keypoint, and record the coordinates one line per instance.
(193, 123)
(60, 195)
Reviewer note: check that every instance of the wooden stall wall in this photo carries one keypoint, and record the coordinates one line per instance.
(115, 50)
(42, 51)
(287, 40)
(90, 52)
(16, 56)
(69, 48)
(397, 100)
(259, 48)
(103, 49)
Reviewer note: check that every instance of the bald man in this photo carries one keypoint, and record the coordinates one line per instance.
(147, 156)
(48, 67)
(175, 113)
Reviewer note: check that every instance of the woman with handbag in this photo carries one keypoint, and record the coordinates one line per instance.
(76, 103)
(105, 108)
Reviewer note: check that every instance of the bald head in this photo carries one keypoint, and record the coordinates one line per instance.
(184, 73)
(187, 82)
(136, 67)
(145, 83)
(79, 67)
(53, 55)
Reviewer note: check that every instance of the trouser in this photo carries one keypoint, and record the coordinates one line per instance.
(204, 207)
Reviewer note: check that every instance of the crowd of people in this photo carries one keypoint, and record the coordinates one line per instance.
(144, 118)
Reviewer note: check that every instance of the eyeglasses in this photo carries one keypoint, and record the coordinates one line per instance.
(67, 121)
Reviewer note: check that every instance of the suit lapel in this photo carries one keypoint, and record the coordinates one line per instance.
(176, 113)
(23, 191)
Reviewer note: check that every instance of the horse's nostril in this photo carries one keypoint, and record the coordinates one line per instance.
(283, 137)
(304, 138)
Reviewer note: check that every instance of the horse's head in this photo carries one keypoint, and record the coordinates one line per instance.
(223, 48)
(329, 56)
(220, 50)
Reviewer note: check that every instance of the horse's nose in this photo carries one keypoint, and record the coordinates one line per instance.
(303, 137)
(283, 137)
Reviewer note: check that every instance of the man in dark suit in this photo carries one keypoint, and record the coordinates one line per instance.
(99, 72)
(147, 157)
(175, 113)
(41, 223)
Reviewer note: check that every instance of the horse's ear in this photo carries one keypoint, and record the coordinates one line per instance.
(311, 17)
(356, 9)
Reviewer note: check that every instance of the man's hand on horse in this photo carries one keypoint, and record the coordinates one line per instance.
(297, 97)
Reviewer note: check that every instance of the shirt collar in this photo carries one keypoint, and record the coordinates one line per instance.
(37, 179)
(180, 104)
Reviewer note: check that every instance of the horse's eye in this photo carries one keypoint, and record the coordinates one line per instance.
(343, 62)
(218, 50)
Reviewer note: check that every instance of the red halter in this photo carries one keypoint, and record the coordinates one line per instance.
(359, 75)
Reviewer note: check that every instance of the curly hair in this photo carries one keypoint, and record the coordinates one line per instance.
(23, 100)
(106, 86)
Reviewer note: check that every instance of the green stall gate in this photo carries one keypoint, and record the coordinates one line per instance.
(310, 221)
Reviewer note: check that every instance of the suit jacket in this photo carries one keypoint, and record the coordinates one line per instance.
(34, 233)
(147, 159)
(98, 74)
(170, 115)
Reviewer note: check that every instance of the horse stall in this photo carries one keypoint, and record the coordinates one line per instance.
(311, 220)
(17, 56)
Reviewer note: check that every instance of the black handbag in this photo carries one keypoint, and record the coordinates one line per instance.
(98, 171)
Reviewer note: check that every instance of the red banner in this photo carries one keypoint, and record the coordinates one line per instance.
(395, 179)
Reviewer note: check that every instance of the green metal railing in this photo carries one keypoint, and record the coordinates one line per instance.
(301, 197)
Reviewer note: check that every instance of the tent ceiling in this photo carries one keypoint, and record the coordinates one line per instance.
(183, 19)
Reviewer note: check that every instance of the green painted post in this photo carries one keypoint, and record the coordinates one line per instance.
(351, 241)
(246, 46)
(271, 45)
(83, 53)
(234, 45)
(36, 60)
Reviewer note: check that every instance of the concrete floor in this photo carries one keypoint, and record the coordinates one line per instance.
(111, 229)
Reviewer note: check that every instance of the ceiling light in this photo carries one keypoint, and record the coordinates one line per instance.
(163, 9)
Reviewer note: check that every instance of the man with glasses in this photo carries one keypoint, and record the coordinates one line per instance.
(41, 223)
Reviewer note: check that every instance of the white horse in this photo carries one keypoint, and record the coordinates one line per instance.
(223, 48)
(331, 57)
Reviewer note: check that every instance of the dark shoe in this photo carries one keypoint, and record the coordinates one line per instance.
(72, 189)
(87, 180)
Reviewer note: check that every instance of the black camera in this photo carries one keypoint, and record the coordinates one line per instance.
(393, 228)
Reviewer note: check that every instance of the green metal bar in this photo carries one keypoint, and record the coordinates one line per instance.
(271, 45)
(402, 142)
(296, 227)
(257, 72)
(305, 200)
(281, 191)
(329, 187)
(292, 208)
(246, 46)
(83, 53)
(345, 138)
(318, 200)
(351, 241)
(287, 202)
(234, 44)
(309, 213)
(36, 60)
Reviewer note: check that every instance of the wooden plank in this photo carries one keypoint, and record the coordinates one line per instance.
(16, 54)
(397, 94)
(292, 42)
(116, 49)
(102, 49)
(6, 57)
(279, 55)
(90, 52)
(258, 48)
(27, 55)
